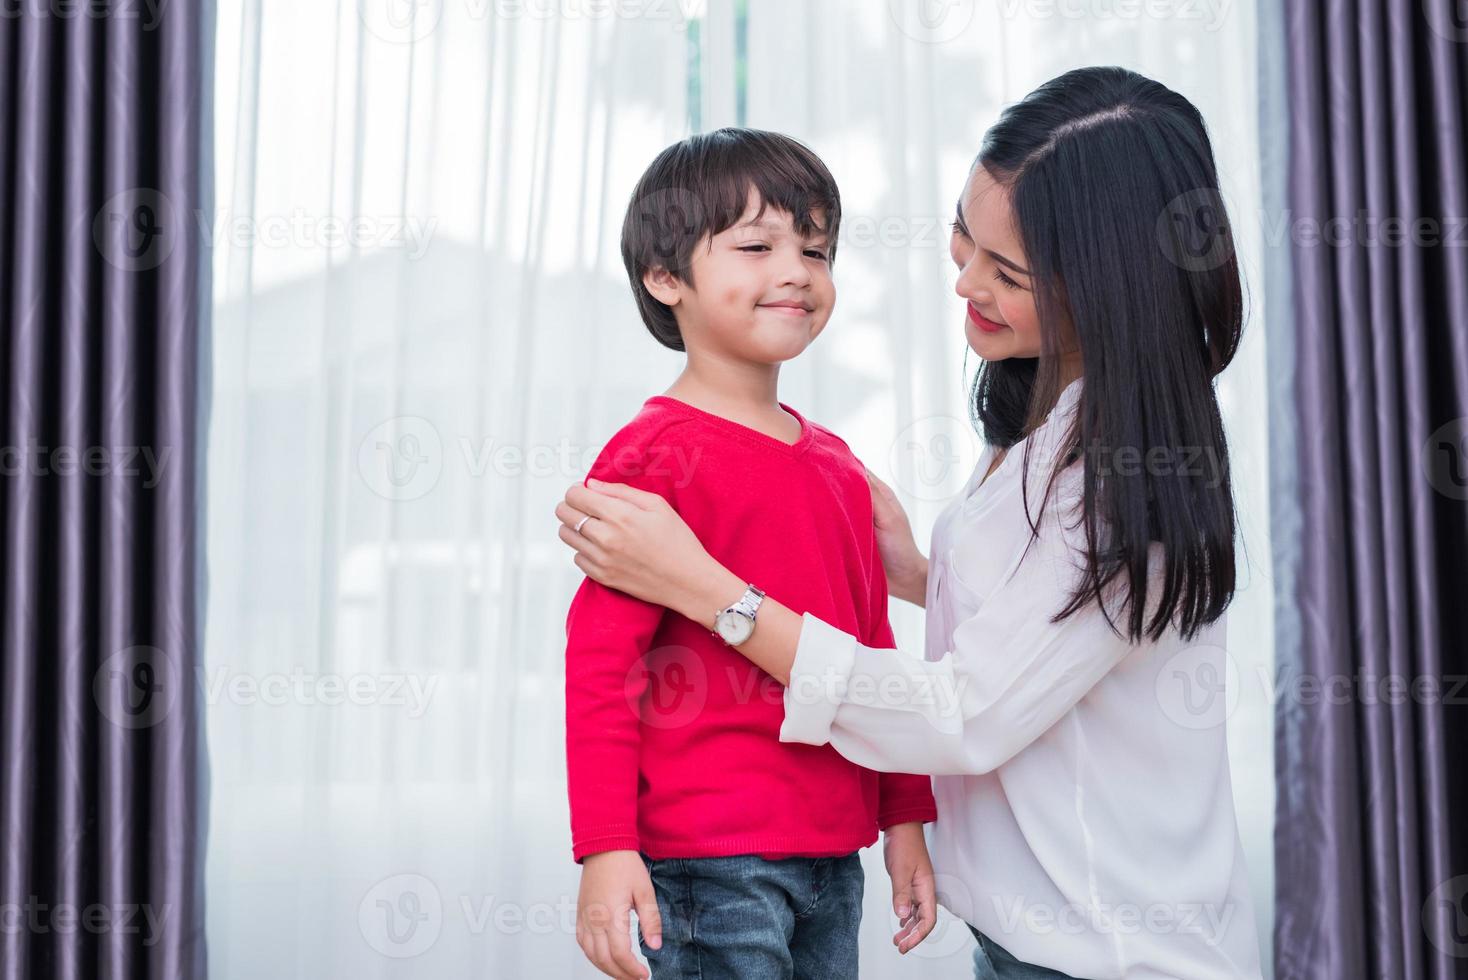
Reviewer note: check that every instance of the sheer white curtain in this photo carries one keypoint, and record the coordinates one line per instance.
(423, 334)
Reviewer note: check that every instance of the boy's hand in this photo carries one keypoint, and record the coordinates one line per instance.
(612, 884)
(914, 892)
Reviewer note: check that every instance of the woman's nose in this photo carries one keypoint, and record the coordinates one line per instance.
(969, 287)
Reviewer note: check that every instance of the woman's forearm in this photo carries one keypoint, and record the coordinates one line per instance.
(777, 628)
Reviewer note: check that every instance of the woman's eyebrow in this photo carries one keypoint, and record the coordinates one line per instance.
(958, 220)
(963, 229)
(1003, 261)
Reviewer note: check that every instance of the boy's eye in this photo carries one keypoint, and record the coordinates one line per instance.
(816, 253)
(754, 248)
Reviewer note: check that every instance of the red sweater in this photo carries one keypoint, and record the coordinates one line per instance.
(672, 738)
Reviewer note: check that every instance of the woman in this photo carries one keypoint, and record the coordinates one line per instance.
(1076, 588)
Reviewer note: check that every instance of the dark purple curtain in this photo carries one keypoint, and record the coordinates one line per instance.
(103, 317)
(1372, 740)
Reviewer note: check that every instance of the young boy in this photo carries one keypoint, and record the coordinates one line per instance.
(739, 852)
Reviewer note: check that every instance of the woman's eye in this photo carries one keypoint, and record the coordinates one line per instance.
(1004, 280)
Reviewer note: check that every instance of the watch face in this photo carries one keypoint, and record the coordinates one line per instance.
(734, 628)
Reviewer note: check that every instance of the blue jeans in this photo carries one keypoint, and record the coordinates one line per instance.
(746, 918)
(993, 962)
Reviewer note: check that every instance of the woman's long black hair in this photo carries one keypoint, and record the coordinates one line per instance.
(1115, 196)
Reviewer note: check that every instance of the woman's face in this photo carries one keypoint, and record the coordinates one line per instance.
(993, 273)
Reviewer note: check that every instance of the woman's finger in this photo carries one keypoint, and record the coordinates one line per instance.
(643, 499)
(590, 569)
(581, 543)
(567, 514)
(579, 524)
(884, 501)
(880, 484)
(595, 503)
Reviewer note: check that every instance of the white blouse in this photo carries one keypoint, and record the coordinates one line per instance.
(1085, 813)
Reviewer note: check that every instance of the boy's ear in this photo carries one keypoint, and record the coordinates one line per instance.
(663, 285)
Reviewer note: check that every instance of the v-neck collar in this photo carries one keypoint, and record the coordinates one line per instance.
(743, 431)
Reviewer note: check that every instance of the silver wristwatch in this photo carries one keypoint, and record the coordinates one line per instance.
(735, 624)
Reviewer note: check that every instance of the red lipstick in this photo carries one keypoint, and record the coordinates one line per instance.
(983, 322)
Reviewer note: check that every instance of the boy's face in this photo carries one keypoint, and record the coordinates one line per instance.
(763, 292)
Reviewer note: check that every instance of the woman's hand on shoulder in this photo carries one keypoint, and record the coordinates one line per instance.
(634, 542)
(907, 569)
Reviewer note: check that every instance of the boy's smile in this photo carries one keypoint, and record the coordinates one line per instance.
(790, 307)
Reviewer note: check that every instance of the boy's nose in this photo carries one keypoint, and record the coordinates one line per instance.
(795, 271)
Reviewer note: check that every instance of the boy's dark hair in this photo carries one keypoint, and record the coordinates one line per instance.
(700, 186)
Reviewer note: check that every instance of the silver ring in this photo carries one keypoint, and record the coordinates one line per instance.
(581, 522)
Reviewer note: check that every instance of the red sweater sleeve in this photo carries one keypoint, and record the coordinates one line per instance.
(901, 798)
(607, 633)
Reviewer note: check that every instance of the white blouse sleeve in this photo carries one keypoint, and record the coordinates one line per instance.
(1010, 675)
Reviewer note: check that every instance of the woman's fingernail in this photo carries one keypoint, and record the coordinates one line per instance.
(593, 483)
(903, 910)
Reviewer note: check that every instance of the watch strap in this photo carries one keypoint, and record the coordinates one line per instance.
(750, 601)
(747, 604)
